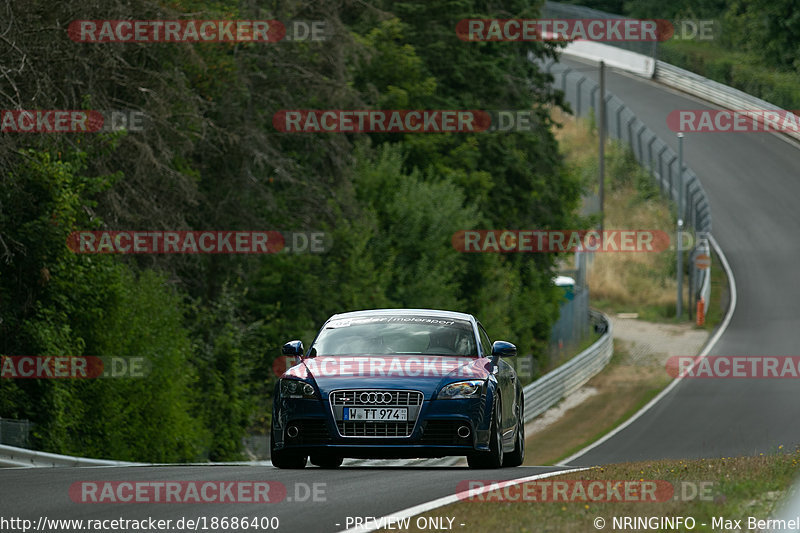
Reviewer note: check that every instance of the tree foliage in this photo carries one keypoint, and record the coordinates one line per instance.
(210, 158)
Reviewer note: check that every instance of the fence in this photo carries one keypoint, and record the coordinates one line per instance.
(572, 325)
(649, 150)
(554, 10)
(569, 377)
(15, 432)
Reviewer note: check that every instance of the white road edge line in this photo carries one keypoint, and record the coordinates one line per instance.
(453, 498)
(703, 354)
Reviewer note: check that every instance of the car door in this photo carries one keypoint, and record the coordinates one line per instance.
(506, 380)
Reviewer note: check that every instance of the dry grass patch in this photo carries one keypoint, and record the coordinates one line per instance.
(623, 387)
(640, 282)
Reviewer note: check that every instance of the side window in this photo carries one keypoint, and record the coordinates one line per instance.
(486, 344)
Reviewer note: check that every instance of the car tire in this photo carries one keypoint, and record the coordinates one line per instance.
(327, 461)
(285, 458)
(517, 457)
(494, 457)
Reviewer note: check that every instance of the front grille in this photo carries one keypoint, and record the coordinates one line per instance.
(375, 429)
(395, 397)
(444, 433)
(410, 399)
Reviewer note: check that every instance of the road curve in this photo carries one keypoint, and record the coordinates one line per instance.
(753, 184)
(753, 189)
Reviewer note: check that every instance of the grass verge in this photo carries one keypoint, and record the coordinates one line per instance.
(623, 387)
(703, 489)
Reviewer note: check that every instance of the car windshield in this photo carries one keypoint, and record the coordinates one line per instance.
(396, 335)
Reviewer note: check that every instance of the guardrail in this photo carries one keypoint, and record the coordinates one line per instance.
(556, 10)
(13, 456)
(633, 56)
(549, 389)
(612, 56)
(716, 92)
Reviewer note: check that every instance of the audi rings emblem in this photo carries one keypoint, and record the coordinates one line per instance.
(375, 397)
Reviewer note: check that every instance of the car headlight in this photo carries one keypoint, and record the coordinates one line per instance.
(293, 388)
(461, 389)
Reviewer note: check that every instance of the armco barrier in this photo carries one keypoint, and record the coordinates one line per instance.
(713, 91)
(613, 57)
(569, 377)
(556, 10)
(12, 456)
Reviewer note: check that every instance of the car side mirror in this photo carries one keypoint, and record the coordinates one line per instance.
(294, 348)
(503, 349)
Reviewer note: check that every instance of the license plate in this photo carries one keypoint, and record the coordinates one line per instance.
(376, 413)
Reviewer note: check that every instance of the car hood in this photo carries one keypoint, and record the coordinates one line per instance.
(424, 373)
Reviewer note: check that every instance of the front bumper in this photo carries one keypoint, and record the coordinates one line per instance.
(308, 426)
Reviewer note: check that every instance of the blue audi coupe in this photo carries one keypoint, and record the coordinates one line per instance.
(398, 383)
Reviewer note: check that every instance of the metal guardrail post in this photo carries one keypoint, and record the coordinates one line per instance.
(630, 131)
(601, 148)
(650, 157)
(564, 79)
(673, 190)
(639, 142)
(661, 169)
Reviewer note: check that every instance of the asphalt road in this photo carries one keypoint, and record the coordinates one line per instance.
(315, 500)
(752, 182)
